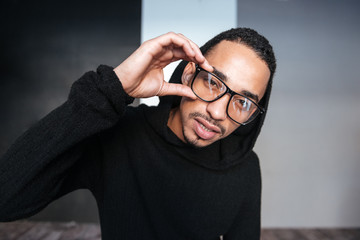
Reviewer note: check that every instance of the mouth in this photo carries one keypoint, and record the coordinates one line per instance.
(205, 130)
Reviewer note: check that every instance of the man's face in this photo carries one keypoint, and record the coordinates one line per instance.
(202, 123)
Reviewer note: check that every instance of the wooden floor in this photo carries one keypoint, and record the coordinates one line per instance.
(311, 234)
(21, 230)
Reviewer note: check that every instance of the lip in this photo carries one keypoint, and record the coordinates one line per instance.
(208, 125)
(202, 133)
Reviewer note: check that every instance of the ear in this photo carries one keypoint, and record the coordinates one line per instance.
(188, 73)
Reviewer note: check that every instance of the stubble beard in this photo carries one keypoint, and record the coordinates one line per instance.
(195, 142)
(192, 142)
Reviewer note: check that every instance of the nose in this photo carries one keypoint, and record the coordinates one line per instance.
(217, 109)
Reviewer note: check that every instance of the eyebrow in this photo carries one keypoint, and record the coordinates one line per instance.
(221, 75)
(246, 93)
(250, 95)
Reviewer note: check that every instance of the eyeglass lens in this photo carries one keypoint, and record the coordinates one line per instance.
(209, 88)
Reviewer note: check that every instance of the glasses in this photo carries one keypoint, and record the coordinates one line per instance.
(209, 88)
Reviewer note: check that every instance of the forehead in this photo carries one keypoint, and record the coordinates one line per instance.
(243, 68)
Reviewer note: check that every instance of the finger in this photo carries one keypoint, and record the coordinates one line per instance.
(199, 57)
(198, 54)
(176, 89)
(180, 54)
(174, 39)
(205, 65)
(180, 43)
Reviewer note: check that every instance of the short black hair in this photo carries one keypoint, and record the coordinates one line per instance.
(249, 37)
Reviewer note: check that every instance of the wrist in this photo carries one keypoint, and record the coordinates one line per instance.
(119, 72)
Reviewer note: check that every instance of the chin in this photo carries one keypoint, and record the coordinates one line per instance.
(197, 142)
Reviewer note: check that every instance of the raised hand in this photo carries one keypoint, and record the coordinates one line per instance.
(141, 74)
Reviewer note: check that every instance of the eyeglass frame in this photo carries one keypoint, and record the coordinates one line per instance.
(228, 90)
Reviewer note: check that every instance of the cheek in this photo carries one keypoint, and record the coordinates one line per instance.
(188, 105)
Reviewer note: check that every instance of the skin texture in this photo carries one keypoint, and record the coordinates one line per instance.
(244, 71)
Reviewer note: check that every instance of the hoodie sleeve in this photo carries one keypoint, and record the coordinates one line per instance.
(247, 224)
(61, 153)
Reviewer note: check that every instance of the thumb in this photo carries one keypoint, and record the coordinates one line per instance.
(176, 89)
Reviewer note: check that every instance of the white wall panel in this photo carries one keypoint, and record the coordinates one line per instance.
(199, 20)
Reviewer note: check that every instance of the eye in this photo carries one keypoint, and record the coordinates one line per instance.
(243, 104)
(212, 82)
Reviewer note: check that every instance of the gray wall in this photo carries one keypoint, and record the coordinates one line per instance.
(46, 46)
(310, 143)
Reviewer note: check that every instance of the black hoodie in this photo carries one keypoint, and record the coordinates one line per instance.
(148, 184)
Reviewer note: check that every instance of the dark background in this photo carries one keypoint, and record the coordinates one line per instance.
(44, 47)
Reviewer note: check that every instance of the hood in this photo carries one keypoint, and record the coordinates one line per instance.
(222, 154)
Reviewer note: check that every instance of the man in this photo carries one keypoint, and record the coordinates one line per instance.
(182, 170)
